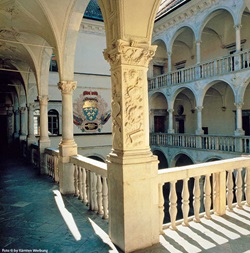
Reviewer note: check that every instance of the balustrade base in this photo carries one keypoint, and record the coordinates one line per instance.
(133, 203)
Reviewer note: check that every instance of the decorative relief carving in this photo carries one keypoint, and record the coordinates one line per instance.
(134, 113)
(43, 100)
(133, 53)
(66, 86)
(116, 110)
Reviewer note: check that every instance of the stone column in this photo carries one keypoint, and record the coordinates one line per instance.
(170, 121)
(199, 130)
(132, 169)
(238, 37)
(44, 141)
(17, 124)
(23, 133)
(169, 67)
(31, 135)
(198, 59)
(67, 147)
(239, 131)
(237, 59)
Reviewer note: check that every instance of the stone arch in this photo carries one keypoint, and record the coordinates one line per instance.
(163, 162)
(182, 48)
(218, 104)
(182, 159)
(221, 35)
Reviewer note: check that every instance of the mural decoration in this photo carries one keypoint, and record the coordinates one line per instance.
(90, 112)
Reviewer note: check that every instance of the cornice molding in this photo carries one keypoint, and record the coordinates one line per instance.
(92, 27)
(182, 16)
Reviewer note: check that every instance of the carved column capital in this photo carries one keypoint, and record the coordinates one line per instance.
(43, 99)
(67, 87)
(170, 110)
(199, 108)
(22, 109)
(237, 27)
(239, 105)
(31, 106)
(134, 53)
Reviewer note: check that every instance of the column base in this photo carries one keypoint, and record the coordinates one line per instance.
(239, 132)
(67, 150)
(133, 200)
(171, 131)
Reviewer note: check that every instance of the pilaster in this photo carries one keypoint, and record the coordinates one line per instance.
(132, 169)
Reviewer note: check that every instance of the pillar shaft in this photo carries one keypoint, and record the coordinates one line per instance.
(67, 147)
(239, 131)
(132, 169)
(170, 121)
(199, 120)
(43, 101)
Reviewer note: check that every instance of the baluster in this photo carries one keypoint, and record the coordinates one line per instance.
(230, 185)
(207, 197)
(185, 201)
(76, 179)
(247, 186)
(105, 198)
(239, 191)
(89, 185)
(99, 194)
(56, 169)
(47, 158)
(160, 207)
(173, 205)
(80, 182)
(93, 192)
(196, 199)
(84, 186)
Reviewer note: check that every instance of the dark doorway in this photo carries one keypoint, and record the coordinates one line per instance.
(159, 124)
(246, 125)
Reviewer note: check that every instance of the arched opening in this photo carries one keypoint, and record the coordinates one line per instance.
(163, 163)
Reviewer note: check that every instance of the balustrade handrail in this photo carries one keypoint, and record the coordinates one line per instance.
(99, 168)
(194, 170)
(200, 67)
(220, 189)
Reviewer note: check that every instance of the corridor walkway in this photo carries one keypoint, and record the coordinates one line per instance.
(30, 221)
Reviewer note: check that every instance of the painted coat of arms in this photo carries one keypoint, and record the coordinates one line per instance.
(90, 112)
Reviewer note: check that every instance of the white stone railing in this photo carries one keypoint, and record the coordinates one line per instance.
(91, 186)
(188, 191)
(215, 67)
(206, 142)
(52, 163)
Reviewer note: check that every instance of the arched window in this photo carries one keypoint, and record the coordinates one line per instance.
(53, 122)
(36, 115)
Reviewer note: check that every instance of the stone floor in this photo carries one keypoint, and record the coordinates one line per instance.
(31, 221)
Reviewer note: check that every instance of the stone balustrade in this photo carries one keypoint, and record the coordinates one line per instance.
(193, 191)
(238, 144)
(215, 67)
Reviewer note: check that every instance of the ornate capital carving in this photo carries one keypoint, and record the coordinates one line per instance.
(43, 100)
(133, 53)
(237, 27)
(239, 105)
(67, 87)
(31, 106)
(22, 109)
(171, 110)
(199, 108)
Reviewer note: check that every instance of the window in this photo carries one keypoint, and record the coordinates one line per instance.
(53, 64)
(53, 122)
(36, 115)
